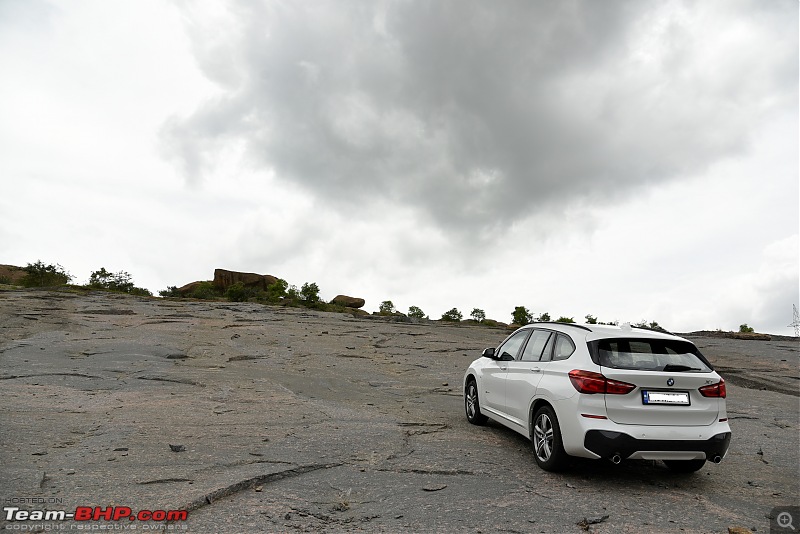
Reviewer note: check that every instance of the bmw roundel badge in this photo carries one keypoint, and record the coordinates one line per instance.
(670, 382)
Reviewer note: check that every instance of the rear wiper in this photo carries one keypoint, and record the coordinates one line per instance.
(679, 368)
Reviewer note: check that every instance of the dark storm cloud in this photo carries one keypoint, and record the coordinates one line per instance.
(480, 113)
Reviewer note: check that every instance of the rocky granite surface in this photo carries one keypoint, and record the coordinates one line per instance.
(260, 418)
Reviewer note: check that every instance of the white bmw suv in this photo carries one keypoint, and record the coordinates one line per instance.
(599, 391)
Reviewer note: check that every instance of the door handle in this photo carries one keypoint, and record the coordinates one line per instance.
(536, 369)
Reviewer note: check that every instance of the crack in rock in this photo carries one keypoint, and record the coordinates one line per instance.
(175, 380)
(445, 472)
(248, 483)
(80, 375)
(164, 481)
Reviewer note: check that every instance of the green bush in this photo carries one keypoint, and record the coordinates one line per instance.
(238, 292)
(744, 329)
(521, 316)
(141, 292)
(5, 280)
(309, 293)
(545, 317)
(293, 294)
(171, 291)
(415, 312)
(103, 279)
(478, 315)
(563, 319)
(277, 290)
(41, 275)
(204, 291)
(591, 319)
(452, 315)
(120, 281)
(386, 307)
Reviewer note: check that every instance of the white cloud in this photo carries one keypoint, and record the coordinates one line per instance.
(633, 161)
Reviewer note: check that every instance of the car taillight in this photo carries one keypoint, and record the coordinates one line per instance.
(714, 390)
(590, 382)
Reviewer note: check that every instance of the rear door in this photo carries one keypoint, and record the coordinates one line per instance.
(667, 376)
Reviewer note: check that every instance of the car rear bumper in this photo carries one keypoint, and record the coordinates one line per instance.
(608, 443)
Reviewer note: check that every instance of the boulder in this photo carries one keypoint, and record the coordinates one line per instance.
(12, 273)
(224, 279)
(350, 302)
(189, 288)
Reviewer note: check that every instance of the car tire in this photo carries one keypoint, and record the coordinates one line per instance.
(548, 449)
(685, 466)
(472, 406)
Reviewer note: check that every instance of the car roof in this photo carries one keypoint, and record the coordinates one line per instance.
(603, 331)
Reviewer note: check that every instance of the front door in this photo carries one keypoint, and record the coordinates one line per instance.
(523, 376)
(493, 396)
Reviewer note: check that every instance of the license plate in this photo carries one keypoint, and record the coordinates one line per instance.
(679, 398)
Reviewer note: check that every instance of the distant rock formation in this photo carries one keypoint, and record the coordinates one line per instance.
(12, 273)
(189, 288)
(224, 279)
(350, 302)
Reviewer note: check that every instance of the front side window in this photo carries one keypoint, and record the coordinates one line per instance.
(508, 351)
(650, 355)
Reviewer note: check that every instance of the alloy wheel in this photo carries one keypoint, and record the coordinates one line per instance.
(472, 399)
(543, 437)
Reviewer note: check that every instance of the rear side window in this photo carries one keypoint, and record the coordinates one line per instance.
(564, 348)
(649, 355)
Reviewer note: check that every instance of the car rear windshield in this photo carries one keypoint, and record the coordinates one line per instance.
(649, 355)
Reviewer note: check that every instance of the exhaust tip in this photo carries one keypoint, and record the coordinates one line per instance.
(717, 459)
(616, 459)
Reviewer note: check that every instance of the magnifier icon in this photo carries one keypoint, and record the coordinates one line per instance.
(784, 520)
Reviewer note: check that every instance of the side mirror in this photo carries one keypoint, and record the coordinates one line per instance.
(488, 353)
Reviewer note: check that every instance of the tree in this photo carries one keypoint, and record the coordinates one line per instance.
(277, 290)
(591, 319)
(544, 317)
(41, 275)
(521, 316)
(477, 314)
(171, 291)
(309, 293)
(238, 293)
(292, 293)
(386, 307)
(415, 312)
(563, 319)
(452, 315)
(744, 329)
(103, 279)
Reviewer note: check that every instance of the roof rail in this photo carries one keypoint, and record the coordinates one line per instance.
(583, 327)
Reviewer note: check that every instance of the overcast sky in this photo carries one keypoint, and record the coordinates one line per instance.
(630, 160)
